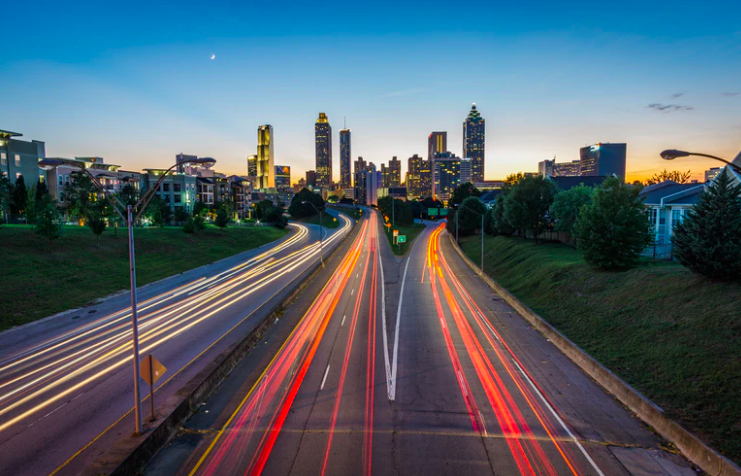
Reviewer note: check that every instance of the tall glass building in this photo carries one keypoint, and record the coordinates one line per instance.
(265, 158)
(603, 159)
(323, 142)
(345, 160)
(473, 143)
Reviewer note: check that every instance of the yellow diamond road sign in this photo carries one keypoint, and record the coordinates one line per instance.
(151, 369)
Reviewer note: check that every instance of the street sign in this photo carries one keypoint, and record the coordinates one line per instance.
(396, 232)
(432, 212)
(401, 239)
(151, 370)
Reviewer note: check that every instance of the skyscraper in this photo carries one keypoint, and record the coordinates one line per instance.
(447, 176)
(265, 158)
(359, 180)
(345, 159)
(437, 143)
(252, 166)
(603, 159)
(311, 178)
(323, 142)
(473, 143)
(394, 172)
(466, 170)
(414, 164)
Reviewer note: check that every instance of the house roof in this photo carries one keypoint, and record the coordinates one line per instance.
(669, 192)
(204, 180)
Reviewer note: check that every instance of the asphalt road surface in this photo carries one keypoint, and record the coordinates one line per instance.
(413, 367)
(66, 386)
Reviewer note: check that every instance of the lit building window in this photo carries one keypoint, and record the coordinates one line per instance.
(17, 160)
(3, 158)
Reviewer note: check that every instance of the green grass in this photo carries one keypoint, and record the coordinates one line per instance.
(673, 335)
(328, 221)
(38, 278)
(411, 232)
(355, 214)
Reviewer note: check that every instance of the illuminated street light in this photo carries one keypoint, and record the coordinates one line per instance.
(672, 154)
(126, 212)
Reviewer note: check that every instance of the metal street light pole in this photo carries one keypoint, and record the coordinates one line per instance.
(672, 154)
(321, 232)
(129, 219)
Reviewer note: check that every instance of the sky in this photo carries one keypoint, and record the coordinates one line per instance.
(134, 82)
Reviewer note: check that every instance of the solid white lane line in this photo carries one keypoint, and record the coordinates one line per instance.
(392, 394)
(326, 372)
(565, 427)
(389, 384)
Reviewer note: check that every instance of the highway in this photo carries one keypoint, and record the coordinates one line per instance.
(66, 387)
(415, 367)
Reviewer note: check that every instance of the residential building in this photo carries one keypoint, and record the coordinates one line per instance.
(252, 166)
(19, 157)
(239, 189)
(178, 190)
(59, 178)
(447, 176)
(603, 159)
(712, 173)
(323, 144)
(474, 143)
(265, 158)
(345, 158)
(466, 171)
(184, 167)
(311, 179)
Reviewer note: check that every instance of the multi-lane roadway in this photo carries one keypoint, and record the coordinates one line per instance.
(414, 367)
(66, 386)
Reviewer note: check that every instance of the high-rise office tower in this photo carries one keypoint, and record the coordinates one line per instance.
(394, 172)
(345, 159)
(413, 167)
(385, 176)
(311, 178)
(359, 180)
(323, 142)
(603, 159)
(425, 178)
(265, 158)
(447, 176)
(466, 170)
(437, 143)
(473, 143)
(252, 166)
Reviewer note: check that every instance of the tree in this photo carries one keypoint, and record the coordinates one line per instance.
(614, 229)
(297, 209)
(333, 199)
(199, 208)
(5, 189)
(396, 209)
(31, 204)
(49, 222)
(96, 219)
(708, 241)
(417, 210)
(222, 218)
(462, 192)
(158, 211)
(471, 211)
(181, 215)
(674, 176)
(19, 197)
(566, 206)
(527, 203)
(189, 226)
(78, 194)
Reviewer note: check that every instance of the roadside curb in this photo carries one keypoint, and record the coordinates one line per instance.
(691, 446)
(131, 454)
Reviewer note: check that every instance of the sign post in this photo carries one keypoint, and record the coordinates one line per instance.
(151, 370)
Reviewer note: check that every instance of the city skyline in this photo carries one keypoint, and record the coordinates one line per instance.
(90, 98)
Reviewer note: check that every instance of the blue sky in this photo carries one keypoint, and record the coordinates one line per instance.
(133, 82)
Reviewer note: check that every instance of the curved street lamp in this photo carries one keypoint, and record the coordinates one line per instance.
(126, 212)
(672, 154)
(321, 232)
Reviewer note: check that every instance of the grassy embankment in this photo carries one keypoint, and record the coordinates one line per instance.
(411, 232)
(38, 278)
(328, 221)
(673, 335)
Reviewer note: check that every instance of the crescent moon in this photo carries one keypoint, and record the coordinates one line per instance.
(213, 56)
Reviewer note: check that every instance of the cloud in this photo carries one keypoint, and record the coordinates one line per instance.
(677, 95)
(669, 107)
(730, 95)
(401, 93)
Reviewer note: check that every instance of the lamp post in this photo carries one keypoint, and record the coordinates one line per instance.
(672, 154)
(126, 212)
(482, 230)
(321, 232)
